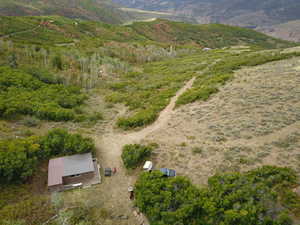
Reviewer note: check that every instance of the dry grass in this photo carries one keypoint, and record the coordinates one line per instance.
(253, 120)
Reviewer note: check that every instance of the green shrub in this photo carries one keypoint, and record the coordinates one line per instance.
(22, 93)
(135, 154)
(249, 198)
(95, 117)
(35, 210)
(140, 119)
(20, 157)
(43, 75)
(60, 142)
(57, 62)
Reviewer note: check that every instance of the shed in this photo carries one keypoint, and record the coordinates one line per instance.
(70, 170)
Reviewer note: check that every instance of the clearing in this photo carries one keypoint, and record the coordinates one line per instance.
(115, 199)
(252, 121)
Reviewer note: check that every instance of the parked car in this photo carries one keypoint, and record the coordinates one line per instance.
(148, 166)
(168, 172)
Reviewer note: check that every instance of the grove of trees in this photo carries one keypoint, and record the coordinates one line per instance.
(20, 157)
(257, 197)
(25, 94)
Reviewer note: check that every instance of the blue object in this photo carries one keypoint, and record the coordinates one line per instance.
(168, 172)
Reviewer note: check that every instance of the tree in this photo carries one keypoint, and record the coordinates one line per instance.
(57, 62)
(12, 61)
(231, 198)
(133, 155)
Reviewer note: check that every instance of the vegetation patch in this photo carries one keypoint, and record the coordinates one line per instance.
(133, 155)
(35, 210)
(24, 94)
(20, 157)
(218, 74)
(255, 197)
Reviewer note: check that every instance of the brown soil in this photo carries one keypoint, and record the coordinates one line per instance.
(113, 191)
(254, 120)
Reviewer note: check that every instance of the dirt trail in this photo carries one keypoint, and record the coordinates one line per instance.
(109, 152)
(20, 32)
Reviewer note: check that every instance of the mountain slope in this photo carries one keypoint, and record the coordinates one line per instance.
(237, 12)
(287, 31)
(101, 10)
(64, 30)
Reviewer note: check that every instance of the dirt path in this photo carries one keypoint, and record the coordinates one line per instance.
(20, 32)
(109, 152)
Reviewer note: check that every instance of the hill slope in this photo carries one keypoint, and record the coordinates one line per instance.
(101, 10)
(237, 12)
(96, 10)
(64, 30)
(287, 31)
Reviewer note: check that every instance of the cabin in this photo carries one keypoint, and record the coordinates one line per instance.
(72, 171)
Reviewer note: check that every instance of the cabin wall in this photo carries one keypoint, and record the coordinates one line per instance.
(78, 179)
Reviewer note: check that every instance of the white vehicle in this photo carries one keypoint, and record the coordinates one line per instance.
(148, 166)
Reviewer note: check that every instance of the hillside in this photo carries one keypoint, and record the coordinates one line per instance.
(217, 103)
(62, 30)
(99, 10)
(286, 31)
(238, 12)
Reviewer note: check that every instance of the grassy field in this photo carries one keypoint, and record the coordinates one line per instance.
(146, 93)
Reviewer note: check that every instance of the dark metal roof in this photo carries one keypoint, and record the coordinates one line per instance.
(78, 164)
(67, 166)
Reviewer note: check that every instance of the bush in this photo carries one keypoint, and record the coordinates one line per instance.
(135, 154)
(140, 119)
(35, 210)
(23, 93)
(59, 142)
(231, 198)
(57, 62)
(20, 157)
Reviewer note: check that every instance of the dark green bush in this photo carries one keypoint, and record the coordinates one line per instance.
(140, 119)
(60, 142)
(57, 62)
(43, 75)
(20, 157)
(251, 198)
(135, 154)
(22, 93)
